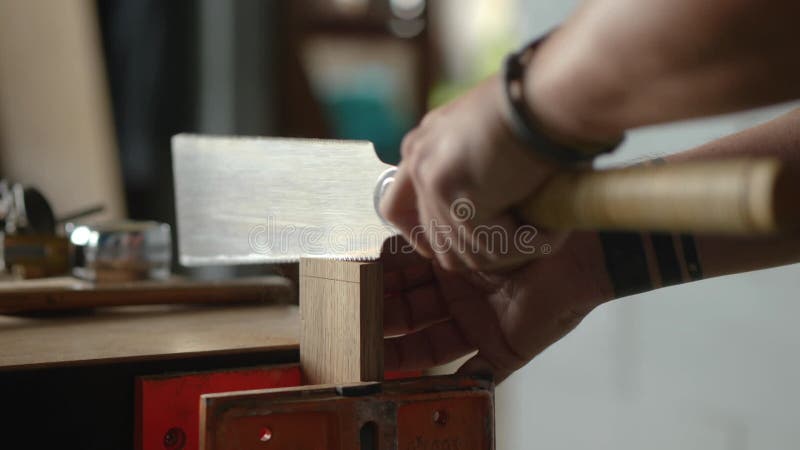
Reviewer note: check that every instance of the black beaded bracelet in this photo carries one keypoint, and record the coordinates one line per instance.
(524, 126)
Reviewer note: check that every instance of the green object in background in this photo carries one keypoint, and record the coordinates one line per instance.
(368, 118)
(486, 63)
(371, 104)
(366, 108)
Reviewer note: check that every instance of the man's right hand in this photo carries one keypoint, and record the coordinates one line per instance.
(463, 170)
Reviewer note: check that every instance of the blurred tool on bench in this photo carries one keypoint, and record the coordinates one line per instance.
(112, 262)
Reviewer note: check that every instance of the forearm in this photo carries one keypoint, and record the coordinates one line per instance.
(721, 255)
(619, 64)
(672, 259)
(779, 138)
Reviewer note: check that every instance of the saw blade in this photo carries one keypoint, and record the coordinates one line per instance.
(246, 200)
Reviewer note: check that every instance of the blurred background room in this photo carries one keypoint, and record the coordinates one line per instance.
(91, 93)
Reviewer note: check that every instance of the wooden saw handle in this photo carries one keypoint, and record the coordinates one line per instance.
(731, 196)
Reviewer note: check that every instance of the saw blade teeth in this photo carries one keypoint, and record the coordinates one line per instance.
(358, 258)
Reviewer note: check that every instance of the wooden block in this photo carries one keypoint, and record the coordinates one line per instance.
(341, 311)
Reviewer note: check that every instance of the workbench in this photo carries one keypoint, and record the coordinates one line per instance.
(229, 377)
(67, 380)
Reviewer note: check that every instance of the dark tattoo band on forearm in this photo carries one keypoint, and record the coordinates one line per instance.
(667, 252)
(667, 258)
(627, 258)
(626, 263)
(690, 257)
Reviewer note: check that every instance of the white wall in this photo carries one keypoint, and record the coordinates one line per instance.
(709, 365)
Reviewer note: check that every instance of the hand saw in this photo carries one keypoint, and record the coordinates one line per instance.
(243, 200)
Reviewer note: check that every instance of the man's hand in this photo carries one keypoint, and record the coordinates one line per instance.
(433, 316)
(462, 172)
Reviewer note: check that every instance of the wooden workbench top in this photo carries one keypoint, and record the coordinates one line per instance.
(133, 333)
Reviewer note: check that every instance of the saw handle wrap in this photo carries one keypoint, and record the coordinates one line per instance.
(730, 196)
